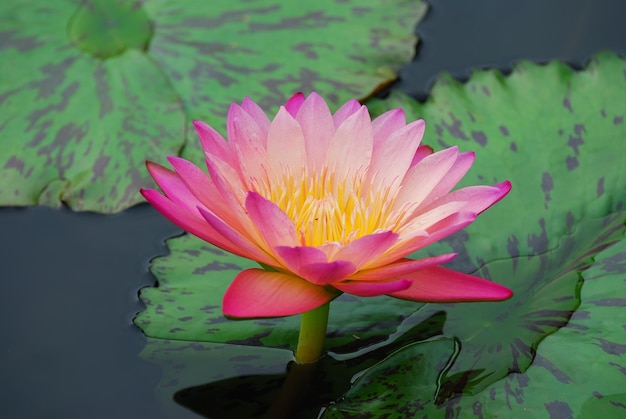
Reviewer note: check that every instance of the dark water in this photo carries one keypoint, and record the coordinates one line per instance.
(70, 281)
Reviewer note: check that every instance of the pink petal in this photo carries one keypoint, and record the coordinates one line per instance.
(294, 103)
(187, 221)
(285, 146)
(173, 186)
(422, 178)
(373, 289)
(318, 128)
(257, 114)
(460, 167)
(418, 240)
(401, 267)
(327, 273)
(200, 185)
(476, 198)
(422, 152)
(386, 124)
(213, 143)
(239, 243)
(442, 285)
(257, 293)
(298, 256)
(399, 148)
(346, 110)
(350, 149)
(366, 249)
(311, 264)
(231, 192)
(249, 142)
(276, 228)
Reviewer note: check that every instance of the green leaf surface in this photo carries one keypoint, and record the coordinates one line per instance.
(402, 384)
(90, 90)
(559, 136)
(187, 305)
(578, 371)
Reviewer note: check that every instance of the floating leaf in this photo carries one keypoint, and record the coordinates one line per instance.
(268, 50)
(559, 136)
(77, 129)
(578, 371)
(187, 305)
(400, 385)
(89, 91)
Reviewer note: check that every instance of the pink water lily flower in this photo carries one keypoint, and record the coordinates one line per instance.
(331, 203)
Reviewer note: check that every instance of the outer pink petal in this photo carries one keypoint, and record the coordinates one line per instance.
(460, 167)
(200, 185)
(366, 249)
(173, 186)
(232, 193)
(257, 293)
(276, 228)
(372, 289)
(188, 222)
(421, 153)
(350, 149)
(386, 124)
(401, 267)
(297, 257)
(286, 151)
(294, 103)
(242, 245)
(346, 111)
(418, 240)
(392, 157)
(311, 264)
(327, 273)
(249, 142)
(422, 178)
(318, 128)
(476, 198)
(214, 144)
(256, 113)
(442, 285)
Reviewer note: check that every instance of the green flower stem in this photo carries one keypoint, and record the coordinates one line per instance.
(312, 334)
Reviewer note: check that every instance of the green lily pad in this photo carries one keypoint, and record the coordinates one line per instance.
(90, 90)
(416, 370)
(187, 305)
(578, 371)
(558, 135)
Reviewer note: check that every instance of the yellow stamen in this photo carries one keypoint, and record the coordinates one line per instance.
(326, 209)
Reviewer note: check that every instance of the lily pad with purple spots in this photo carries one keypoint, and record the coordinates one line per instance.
(90, 90)
(558, 135)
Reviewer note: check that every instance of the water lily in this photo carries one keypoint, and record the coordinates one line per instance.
(327, 204)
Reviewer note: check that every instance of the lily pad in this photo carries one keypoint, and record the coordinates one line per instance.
(90, 91)
(558, 135)
(578, 371)
(194, 266)
(187, 305)
(416, 370)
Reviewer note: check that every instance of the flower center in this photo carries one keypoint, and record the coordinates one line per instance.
(325, 209)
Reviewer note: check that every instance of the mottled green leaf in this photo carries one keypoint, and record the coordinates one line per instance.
(215, 53)
(187, 305)
(558, 135)
(400, 385)
(578, 371)
(90, 90)
(77, 129)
